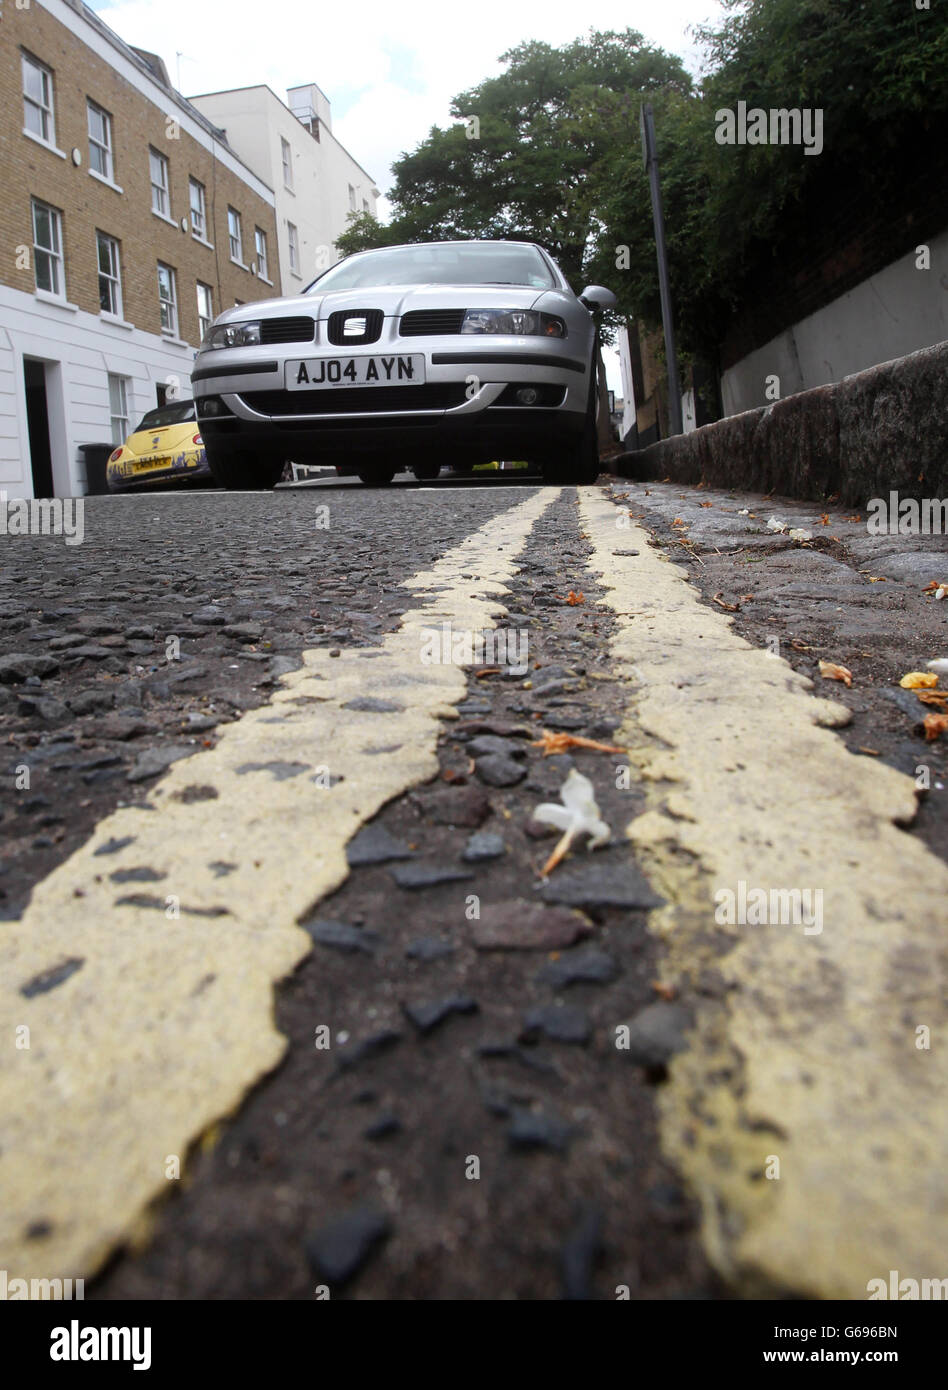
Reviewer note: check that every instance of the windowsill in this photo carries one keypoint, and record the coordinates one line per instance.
(265, 280)
(234, 261)
(173, 341)
(58, 300)
(164, 218)
(203, 242)
(38, 140)
(115, 321)
(100, 178)
(288, 189)
(296, 275)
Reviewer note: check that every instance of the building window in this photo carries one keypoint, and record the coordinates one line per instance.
(235, 235)
(365, 204)
(110, 280)
(260, 242)
(48, 249)
(168, 299)
(198, 209)
(287, 163)
(160, 202)
(100, 141)
(352, 198)
(38, 100)
(118, 408)
(293, 238)
(205, 308)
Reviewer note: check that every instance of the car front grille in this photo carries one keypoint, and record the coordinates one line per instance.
(423, 323)
(371, 330)
(297, 329)
(353, 399)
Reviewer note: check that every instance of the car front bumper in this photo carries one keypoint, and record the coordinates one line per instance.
(467, 401)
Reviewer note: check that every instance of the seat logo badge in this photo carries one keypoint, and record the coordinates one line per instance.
(354, 327)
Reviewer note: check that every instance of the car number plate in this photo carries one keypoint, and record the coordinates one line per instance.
(317, 373)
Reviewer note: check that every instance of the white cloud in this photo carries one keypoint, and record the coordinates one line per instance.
(390, 70)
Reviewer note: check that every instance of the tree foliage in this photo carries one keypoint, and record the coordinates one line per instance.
(557, 158)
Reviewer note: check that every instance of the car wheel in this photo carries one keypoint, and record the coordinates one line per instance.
(242, 470)
(376, 477)
(578, 463)
(426, 472)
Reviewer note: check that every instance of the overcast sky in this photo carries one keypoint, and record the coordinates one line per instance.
(389, 69)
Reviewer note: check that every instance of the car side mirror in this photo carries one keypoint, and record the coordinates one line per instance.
(598, 297)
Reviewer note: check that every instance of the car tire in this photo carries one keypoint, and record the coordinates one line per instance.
(426, 472)
(242, 470)
(577, 464)
(376, 477)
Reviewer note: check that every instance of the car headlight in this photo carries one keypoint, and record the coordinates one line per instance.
(516, 322)
(228, 335)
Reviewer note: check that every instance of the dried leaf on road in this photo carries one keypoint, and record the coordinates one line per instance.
(730, 607)
(667, 992)
(935, 725)
(572, 598)
(831, 672)
(774, 525)
(932, 697)
(919, 680)
(560, 743)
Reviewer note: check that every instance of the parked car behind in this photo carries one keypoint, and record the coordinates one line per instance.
(165, 446)
(407, 357)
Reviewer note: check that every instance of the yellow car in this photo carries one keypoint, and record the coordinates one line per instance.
(166, 446)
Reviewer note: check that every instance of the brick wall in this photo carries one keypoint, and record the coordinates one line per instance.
(87, 205)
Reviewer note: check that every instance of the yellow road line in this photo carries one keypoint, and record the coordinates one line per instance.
(169, 1020)
(812, 1053)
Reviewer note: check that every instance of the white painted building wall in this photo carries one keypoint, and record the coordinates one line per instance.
(81, 350)
(318, 200)
(899, 310)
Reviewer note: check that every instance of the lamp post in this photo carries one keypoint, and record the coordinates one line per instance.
(650, 157)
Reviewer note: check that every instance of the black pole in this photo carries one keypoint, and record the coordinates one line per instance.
(658, 219)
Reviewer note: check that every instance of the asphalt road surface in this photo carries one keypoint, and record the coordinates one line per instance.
(297, 1005)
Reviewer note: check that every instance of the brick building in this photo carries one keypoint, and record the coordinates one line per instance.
(126, 224)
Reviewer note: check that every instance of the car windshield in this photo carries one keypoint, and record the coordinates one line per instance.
(173, 413)
(443, 264)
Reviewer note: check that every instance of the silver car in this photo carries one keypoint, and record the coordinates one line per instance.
(407, 357)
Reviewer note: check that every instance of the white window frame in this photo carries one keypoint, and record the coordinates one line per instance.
(168, 305)
(201, 212)
(260, 248)
(119, 418)
(162, 190)
(352, 198)
(205, 320)
(45, 106)
(235, 238)
(113, 276)
(286, 154)
(54, 253)
(95, 144)
(293, 242)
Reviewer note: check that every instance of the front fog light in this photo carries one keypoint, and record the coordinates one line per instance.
(528, 395)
